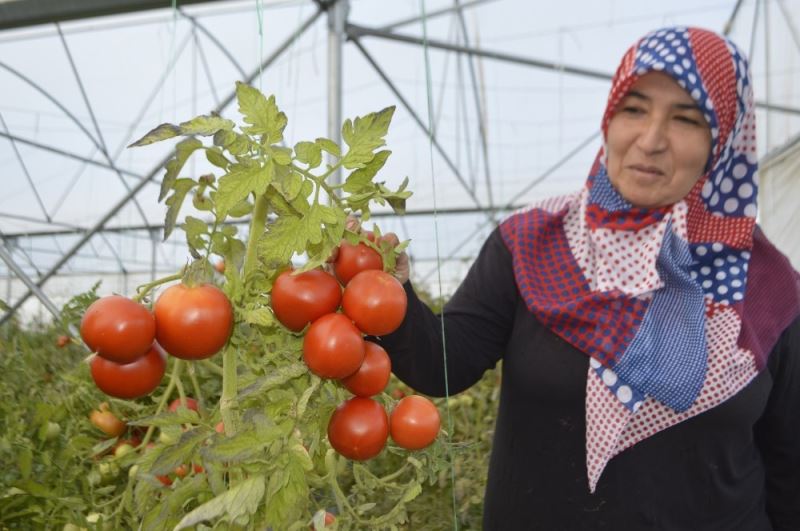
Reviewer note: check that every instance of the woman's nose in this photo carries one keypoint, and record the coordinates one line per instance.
(653, 137)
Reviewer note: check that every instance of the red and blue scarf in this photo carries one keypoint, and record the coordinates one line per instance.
(677, 307)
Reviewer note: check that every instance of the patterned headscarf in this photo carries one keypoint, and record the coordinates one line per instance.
(660, 298)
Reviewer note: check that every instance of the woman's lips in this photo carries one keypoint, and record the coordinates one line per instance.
(651, 170)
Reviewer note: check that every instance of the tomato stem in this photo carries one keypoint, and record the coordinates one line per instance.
(196, 386)
(143, 290)
(174, 375)
(257, 225)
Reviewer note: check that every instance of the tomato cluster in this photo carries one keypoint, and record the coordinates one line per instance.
(130, 341)
(373, 303)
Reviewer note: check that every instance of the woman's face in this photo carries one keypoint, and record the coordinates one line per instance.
(658, 143)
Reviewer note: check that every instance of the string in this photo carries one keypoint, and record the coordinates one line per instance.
(260, 16)
(172, 58)
(431, 133)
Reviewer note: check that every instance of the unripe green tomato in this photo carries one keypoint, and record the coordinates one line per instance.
(133, 471)
(166, 438)
(94, 478)
(123, 450)
(52, 431)
(93, 518)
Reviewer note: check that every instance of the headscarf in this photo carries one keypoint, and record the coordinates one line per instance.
(662, 300)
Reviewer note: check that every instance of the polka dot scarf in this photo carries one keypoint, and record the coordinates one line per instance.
(656, 297)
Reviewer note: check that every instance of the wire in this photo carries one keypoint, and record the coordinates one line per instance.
(431, 134)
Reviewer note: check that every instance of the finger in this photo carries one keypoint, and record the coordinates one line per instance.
(392, 238)
(352, 223)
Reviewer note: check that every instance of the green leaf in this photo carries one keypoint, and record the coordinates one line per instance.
(181, 187)
(260, 317)
(223, 138)
(25, 462)
(281, 155)
(309, 153)
(364, 135)
(242, 500)
(288, 184)
(183, 151)
(282, 239)
(206, 125)
(330, 146)
(168, 418)
(162, 132)
(361, 178)
(243, 446)
(179, 453)
(195, 230)
(240, 181)
(215, 157)
(287, 493)
(242, 208)
(277, 378)
(261, 112)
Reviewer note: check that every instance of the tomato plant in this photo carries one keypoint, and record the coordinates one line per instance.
(193, 322)
(301, 298)
(358, 429)
(414, 422)
(375, 301)
(333, 347)
(131, 380)
(373, 374)
(353, 259)
(107, 422)
(118, 329)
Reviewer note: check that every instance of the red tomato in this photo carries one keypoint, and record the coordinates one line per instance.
(220, 267)
(107, 422)
(164, 480)
(353, 259)
(118, 329)
(182, 470)
(333, 347)
(193, 323)
(305, 297)
(414, 422)
(191, 403)
(358, 429)
(329, 520)
(62, 341)
(373, 375)
(131, 380)
(220, 427)
(376, 302)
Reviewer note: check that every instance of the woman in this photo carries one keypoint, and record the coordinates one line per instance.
(648, 329)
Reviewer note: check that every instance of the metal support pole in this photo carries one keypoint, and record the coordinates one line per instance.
(12, 265)
(337, 18)
(153, 249)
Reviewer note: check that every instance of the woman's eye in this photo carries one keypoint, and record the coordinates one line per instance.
(632, 110)
(688, 120)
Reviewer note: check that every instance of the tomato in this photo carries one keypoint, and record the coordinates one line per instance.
(414, 422)
(358, 429)
(164, 480)
(107, 422)
(191, 403)
(131, 380)
(122, 448)
(305, 297)
(118, 329)
(328, 520)
(193, 323)
(220, 267)
(182, 470)
(62, 341)
(376, 302)
(373, 375)
(333, 347)
(198, 469)
(220, 427)
(353, 259)
(397, 394)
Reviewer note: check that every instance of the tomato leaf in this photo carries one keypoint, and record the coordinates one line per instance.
(240, 181)
(174, 202)
(262, 113)
(364, 135)
(162, 132)
(240, 500)
(179, 453)
(361, 178)
(309, 153)
(217, 158)
(329, 146)
(195, 230)
(260, 317)
(278, 377)
(183, 150)
(283, 238)
(281, 155)
(287, 492)
(206, 125)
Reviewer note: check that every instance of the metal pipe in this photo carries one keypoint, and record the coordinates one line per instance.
(433, 14)
(12, 265)
(337, 18)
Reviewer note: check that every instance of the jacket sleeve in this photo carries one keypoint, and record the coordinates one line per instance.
(778, 433)
(477, 323)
